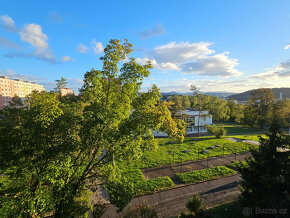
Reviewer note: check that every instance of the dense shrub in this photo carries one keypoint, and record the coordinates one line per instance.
(238, 164)
(218, 131)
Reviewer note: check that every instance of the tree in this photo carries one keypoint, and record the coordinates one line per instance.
(61, 83)
(197, 105)
(266, 180)
(218, 131)
(63, 148)
(262, 100)
(250, 114)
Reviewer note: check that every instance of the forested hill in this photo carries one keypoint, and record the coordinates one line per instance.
(246, 95)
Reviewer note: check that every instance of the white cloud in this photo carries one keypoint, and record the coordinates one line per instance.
(195, 58)
(31, 33)
(182, 52)
(281, 71)
(97, 46)
(82, 48)
(287, 46)
(216, 65)
(8, 23)
(67, 59)
(157, 30)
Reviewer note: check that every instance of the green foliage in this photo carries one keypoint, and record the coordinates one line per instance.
(237, 165)
(205, 174)
(121, 193)
(195, 205)
(141, 211)
(259, 108)
(217, 130)
(142, 186)
(266, 180)
(61, 83)
(56, 148)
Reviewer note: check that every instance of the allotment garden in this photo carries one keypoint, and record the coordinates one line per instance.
(195, 160)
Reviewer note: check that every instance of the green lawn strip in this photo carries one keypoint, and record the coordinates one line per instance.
(238, 128)
(228, 210)
(237, 164)
(153, 185)
(205, 174)
(142, 186)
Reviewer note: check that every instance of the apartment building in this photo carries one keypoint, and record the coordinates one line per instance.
(10, 88)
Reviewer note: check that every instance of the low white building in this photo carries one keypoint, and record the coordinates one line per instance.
(191, 117)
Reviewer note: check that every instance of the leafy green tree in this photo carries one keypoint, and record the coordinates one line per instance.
(59, 149)
(262, 101)
(250, 114)
(61, 83)
(266, 180)
(217, 130)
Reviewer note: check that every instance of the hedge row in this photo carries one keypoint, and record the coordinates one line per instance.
(205, 174)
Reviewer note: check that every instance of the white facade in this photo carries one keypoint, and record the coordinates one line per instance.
(192, 121)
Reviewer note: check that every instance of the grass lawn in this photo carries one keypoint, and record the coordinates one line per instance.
(229, 210)
(238, 128)
(205, 174)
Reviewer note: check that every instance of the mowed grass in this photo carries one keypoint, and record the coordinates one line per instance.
(205, 174)
(237, 128)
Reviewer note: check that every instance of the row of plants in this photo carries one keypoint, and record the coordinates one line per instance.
(141, 186)
(205, 174)
(237, 164)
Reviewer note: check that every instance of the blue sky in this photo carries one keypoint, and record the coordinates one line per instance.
(228, 46)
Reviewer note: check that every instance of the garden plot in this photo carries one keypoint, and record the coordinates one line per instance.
(170, 170)
(160, 167)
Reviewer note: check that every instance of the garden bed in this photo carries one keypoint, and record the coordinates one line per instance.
(205, 174)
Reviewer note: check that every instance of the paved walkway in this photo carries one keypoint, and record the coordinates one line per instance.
(170, 202)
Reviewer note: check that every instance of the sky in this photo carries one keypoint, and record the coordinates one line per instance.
(219, 46)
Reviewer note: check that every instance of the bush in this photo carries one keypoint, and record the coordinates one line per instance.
(237, 164)
(195, 206)
(205, 174)
(218, 131)
(141, 211)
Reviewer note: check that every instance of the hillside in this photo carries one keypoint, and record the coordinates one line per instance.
(246, 95)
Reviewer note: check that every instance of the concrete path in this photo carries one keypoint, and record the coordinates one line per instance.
(169, 203)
